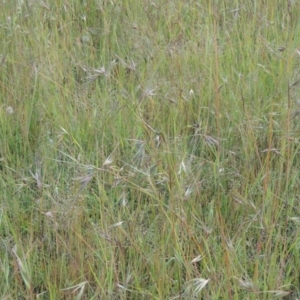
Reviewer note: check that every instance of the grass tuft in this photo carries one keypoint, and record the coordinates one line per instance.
(149, 150)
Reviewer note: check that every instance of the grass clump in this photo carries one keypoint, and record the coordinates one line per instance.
(149, 150)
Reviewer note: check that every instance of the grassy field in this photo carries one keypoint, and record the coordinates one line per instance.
(149, 149)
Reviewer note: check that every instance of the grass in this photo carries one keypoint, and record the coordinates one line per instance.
(149, 150)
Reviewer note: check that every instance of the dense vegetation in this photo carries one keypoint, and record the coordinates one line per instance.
(149, 149)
